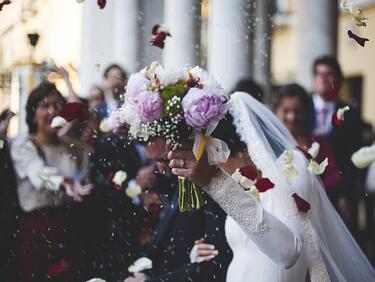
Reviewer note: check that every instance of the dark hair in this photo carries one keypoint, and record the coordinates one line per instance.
(330, 61)
(250, 86)
(115, 66)
(36, 96)
(226, 131)
(290, 91)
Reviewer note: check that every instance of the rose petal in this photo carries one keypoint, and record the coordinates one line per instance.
(140, 264)
(246, 182)
(72, 111)
(335, 121)
(316, 168)
(360, 40)
(358, 17)
(264, 184)
(119, 177)
(133, 191)
(58, 268)
(302, 205)
(254, 193)
(288, 156)
(306, 153)
(249, 171)
(290, 172)
(102, 3)
(96, 280)
(364, 157)
(314, 149)
(341, 112)
(5, 2)
(58, 122)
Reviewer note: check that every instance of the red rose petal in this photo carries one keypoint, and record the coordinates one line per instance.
(72, 111)
(58, 268)
(5, 2)
(302, 205)
(336, 122)
(360, 40)
(110, 177)
(158, 37)
(264, 184)
(249, 172)
(102, 3)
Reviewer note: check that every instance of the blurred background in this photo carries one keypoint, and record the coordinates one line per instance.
(273, 41)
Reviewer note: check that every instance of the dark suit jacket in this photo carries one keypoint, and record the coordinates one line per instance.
(175, 238)
(344, 141)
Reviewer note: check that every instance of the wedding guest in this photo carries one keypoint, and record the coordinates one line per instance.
(292, 107)
(344, 140)
(96, 97)
(9, 212)
(169, 251)
(49, 180)
(5, 117)
(114, 82)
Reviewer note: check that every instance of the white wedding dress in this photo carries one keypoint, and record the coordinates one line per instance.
(273, 240)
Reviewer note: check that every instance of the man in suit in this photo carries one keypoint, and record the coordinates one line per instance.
(176, 234)
(344, 139)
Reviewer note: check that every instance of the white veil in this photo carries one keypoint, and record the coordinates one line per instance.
(267, 139)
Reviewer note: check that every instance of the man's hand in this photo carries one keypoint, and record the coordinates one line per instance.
(184, 164)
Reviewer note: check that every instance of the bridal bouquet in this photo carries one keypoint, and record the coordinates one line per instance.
(175, 104)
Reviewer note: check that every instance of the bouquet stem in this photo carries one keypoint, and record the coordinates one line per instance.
(189, 196)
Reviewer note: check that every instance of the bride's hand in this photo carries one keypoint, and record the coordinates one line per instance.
(202, 252)
(184, 164)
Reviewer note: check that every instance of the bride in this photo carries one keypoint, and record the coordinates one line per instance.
(290, 232)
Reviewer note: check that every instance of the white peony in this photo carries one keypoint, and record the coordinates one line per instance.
(364, 156)
(314, 149)
(316, 168)
(58, 122)
(205, 79)
(128, 113)
(140, 264)
(169, 76)
(119, 177)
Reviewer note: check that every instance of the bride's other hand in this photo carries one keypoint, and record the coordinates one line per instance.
(184, 164)
(202, 251)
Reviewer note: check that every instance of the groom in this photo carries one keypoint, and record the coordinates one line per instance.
(177, 232)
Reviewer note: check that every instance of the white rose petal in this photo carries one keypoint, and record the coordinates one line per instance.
(58, 122)
(163, 28)
(314, 149)
(288, 156)
(140, 264)
(290, 172)
(316, 168)
(364, 156)
(1, 144)
(119, 177)
(104, 125)
(237, 175)
(246, 182)
(341, 111)
(254, 193)
(133, 191)
(96, 280)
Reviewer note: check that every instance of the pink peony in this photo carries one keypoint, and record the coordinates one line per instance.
(202, 107)
(114, 120)
(149, 106)
(137, 83)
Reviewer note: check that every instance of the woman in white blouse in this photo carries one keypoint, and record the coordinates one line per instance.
(48, 179)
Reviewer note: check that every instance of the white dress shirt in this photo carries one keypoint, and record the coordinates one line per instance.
(323, 112)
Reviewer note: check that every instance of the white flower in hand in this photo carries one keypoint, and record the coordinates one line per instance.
(364, 156)
(314, 150)
(58, 122)
(316, 168)
(140, 264)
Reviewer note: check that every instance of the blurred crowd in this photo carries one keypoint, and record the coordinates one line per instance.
(63, 218)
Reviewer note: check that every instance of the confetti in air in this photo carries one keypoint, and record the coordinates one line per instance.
(102, 3)
(358, 17)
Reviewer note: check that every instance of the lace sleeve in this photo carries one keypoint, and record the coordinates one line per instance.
(274, 238)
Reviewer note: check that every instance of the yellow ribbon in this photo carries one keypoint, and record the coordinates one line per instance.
(201, 146)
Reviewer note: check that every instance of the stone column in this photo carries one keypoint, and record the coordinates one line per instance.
(183, 18)
(317, 34)
(229, 45)
(125, 34)
(262, 43)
